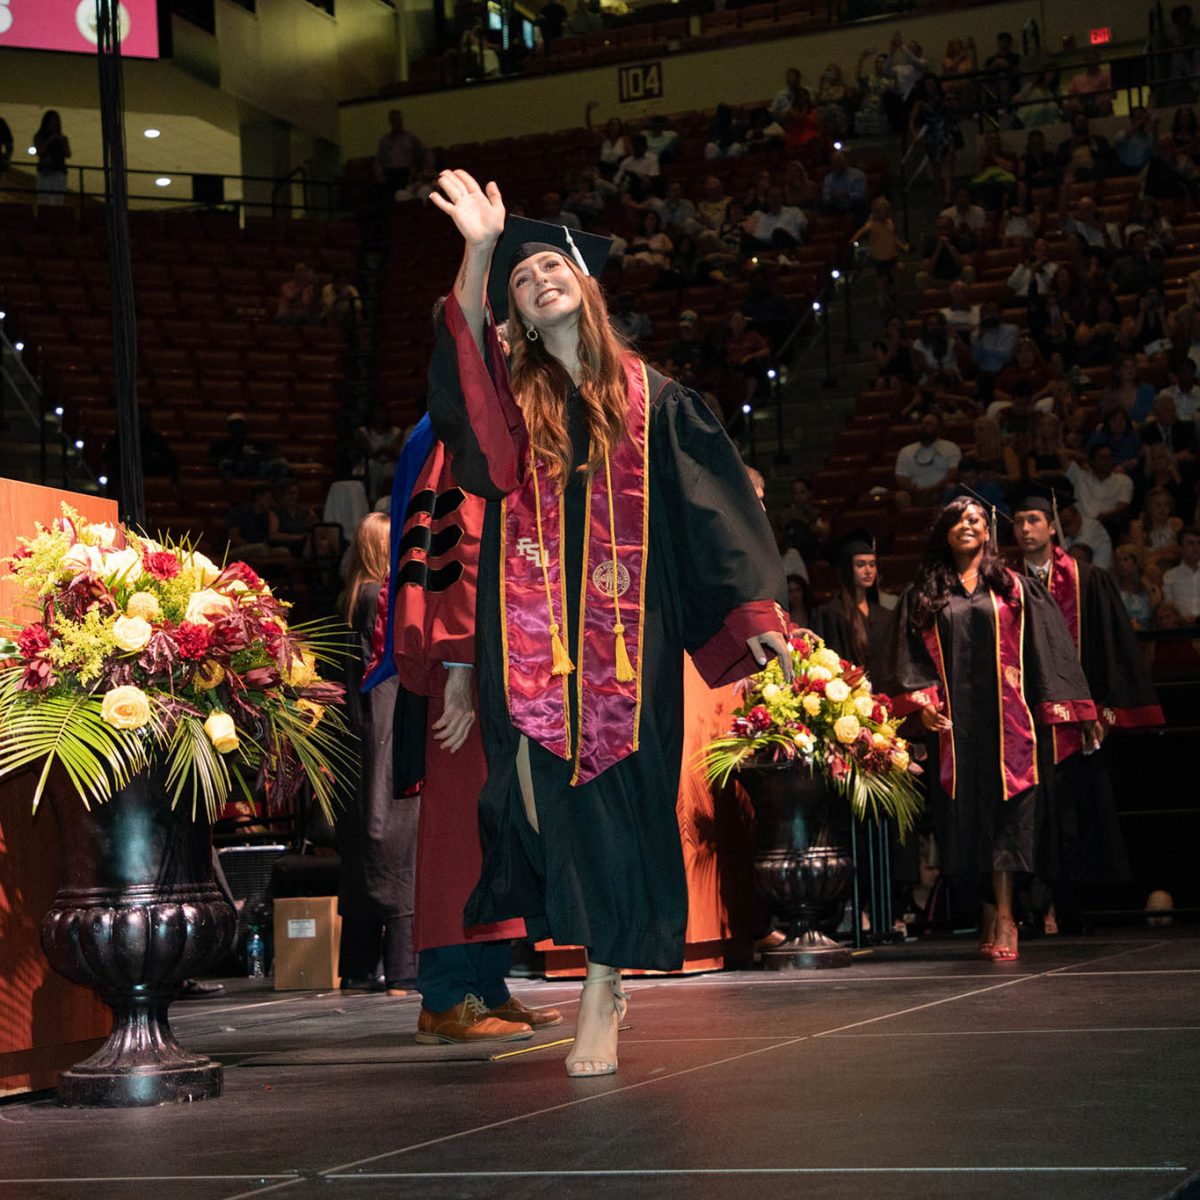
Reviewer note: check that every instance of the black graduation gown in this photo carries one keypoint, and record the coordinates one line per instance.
(831, 626)
(607, 870)
(978, 830)
(1091, 846)
(377, 832)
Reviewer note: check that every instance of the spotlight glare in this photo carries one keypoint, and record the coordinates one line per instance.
(835, 274)
(837, 145)
(816, 306)
(747, 409)
(102, 480)
(18, 346)
(152, 133)
(79, 443)
(771, 373)
(3, 314)
(33, 151)
(58, 412)
(163, 181)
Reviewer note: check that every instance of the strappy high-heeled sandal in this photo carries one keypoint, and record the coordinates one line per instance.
(602, 1066)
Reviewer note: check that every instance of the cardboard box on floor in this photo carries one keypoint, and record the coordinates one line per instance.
(308, 930)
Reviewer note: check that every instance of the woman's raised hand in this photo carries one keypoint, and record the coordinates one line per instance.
(477, 212)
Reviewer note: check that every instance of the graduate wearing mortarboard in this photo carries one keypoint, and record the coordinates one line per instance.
(854, 622)
(621, 529)
(1090, 846)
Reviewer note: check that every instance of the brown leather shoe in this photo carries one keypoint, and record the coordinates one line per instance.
(468, 1022)
(517, 1010)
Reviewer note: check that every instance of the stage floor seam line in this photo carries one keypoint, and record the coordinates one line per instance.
(618, 1091)
(368, 1176)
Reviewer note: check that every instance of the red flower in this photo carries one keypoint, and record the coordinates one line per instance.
(160, 564)
(261, 678)
(884, 701)
(802, 646)
(817, 685)
(33, 640)
(759, 717)
(192, 640)
(879, 713)
(853, 675)
(39, 675)
(242, 571)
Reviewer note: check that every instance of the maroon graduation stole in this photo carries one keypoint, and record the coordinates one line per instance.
(1018, 738)
(607, 666)
(1064, 587)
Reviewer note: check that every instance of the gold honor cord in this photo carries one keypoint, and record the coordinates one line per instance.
(560, 660)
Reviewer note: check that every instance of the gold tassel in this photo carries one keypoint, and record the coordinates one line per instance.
(624, 666)
(561, 663)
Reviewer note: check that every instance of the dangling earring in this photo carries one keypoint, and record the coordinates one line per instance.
(531, 334)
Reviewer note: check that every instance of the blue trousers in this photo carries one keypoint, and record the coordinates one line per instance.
(446, 974)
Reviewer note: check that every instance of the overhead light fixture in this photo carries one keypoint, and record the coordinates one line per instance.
(3, 314)
(33, 150)
(163, 181)
(151, 133)
(58, 412)
(102, 480)
(18, 346)
(79, 443)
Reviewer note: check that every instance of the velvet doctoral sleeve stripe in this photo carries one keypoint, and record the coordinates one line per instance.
(722, 550)
(473, 410)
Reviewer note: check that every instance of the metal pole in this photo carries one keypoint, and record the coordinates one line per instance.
(851, 345)
(782, 457)
(856, 904)
(829, 381)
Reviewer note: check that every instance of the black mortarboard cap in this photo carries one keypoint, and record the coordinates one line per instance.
(1042, 496)
(523, 238)
(855, 541)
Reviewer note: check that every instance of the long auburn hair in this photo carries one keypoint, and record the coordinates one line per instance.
(369, 562)
(540, 383)
(936, 575)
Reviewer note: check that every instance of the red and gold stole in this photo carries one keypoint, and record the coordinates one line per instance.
(1018, 738)
(1064, 587)
(533, 600)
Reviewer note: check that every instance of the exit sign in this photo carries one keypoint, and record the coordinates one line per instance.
(1100, 37)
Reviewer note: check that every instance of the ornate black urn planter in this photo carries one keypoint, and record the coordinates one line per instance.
(803, 868)
(138, 912)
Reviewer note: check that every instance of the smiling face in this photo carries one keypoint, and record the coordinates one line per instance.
(546, 290)
(969, 534)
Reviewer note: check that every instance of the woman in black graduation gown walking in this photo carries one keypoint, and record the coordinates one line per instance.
(621, 530)
(985, 658)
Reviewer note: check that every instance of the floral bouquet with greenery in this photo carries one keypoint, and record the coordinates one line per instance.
(828, 719)
(149, 654)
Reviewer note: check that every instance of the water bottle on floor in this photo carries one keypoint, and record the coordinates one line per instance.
(256, 954)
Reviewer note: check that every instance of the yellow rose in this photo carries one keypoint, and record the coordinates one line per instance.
(880, 741)
(123, 566)
(201, 566)
(144, 605)
(812, 704)
(805, 741)
(131, 633)
(125, 707)
(846, 729)
(900, 758)
(901, 744)
(208, 675)
(770, 692)
(205, 604)
(303, 670)
(827, 658)
(864, 688)
(315, 711)
(821, 673)
(221, 731)
(864, 706)
(837, 691)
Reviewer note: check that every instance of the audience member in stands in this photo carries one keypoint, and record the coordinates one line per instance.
(584, 20)
(757, 198)
(1097, 336)
(995, 458)
(1083, 155)
(1126, 393)
(1181, 584)
(586, 198)
(1101, 491)
(299, 300)
(726, 136)
(688, 351)
(1137, 267)
(786, 96)
(1157, 228)
(803, 136)
(1117, 433)
(1090, 92)
(933, 121)
(967, 220)
(53, 150)
(552, 20)
(1160, 470)
(480, 53)
(844, 188)
(638, 169)
(291, 521)
(1148, 330)
(340, 301)
(553, 213)
(924, 467)
(883, 247)
(798, 188)
(935, 354)
(1156, 532)
(894, 356)
(1079, 530)
(615, 147)
(649, 246)
(379, 440)
(780, 227)
(678, 213)
(1037, 102)
(1184, 137)
(1135, 144)
(906, 66)
(1003, 67)
(746, 353)
(833, 102)
(1165, 426)
(1034, 276)
(942, 261)
(804, 526)
(995, 182)
(870, 118)
(1037, 168)
(397, 156)
(661, 139)
(961, 58)
(962, 317)
(248, 527)
(713, 204)
(1184, 390)
(628, 320)
(992, 346)
(1047, 455)
(767, 310)
(1136, 584)
(237, 457)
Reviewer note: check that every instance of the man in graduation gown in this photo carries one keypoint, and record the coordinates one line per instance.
(682, 550)
(1091, 849)
(426, 637)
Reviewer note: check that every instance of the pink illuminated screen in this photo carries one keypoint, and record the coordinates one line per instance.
(71, 25)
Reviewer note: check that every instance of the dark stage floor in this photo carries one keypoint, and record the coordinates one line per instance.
(918, 1072)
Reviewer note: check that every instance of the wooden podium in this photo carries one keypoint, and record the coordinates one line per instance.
(46, 1023)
